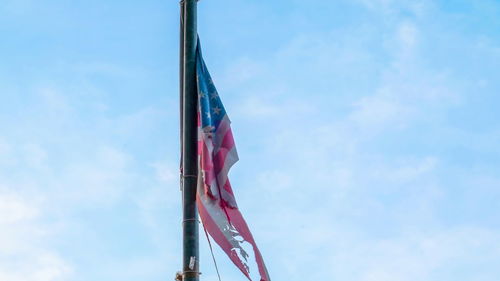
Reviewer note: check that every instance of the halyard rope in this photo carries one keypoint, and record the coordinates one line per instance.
(212, 252)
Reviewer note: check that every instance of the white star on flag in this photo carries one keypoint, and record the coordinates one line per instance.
(217, 110)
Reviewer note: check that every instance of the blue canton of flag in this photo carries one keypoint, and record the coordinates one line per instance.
(212, 110)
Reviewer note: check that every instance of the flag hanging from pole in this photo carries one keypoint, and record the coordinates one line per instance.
(215, 199)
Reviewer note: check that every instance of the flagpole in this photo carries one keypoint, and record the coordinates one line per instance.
(190, 258)
(181, 78)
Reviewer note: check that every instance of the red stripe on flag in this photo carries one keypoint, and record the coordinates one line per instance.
(216, 233)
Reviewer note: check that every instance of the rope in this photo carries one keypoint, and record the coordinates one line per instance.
(212, 252)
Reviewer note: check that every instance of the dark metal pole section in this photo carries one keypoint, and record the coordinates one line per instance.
(190, 266)
(181, 79)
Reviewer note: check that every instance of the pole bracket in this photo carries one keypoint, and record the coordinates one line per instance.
(191, 273)
(179, 276)
(186, 220)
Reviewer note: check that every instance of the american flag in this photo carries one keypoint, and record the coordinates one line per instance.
(215, 198)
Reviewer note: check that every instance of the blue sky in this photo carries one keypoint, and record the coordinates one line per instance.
(367, 132)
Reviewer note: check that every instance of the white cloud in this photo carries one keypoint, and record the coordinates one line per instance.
(376, 112)
(333, 197)
(4, 147)
(101, 178)
(408, 35)
(13, 209)
(407, 171)
(242, 70)
(256, 107)
(166, 173)
(275, 181)
(23, 255)
(416, 255)
(35, 155)
(327, 200)
(143, 120)
(51, 267)
(54, 100)
(44, 266)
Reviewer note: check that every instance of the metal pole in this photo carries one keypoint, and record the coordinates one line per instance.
(189, 148)
(181, 79)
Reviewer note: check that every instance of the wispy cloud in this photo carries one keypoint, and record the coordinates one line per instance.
(358, 180)
(366, 136)
(23, 255)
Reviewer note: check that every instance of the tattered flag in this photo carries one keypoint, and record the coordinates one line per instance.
(215, 198)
